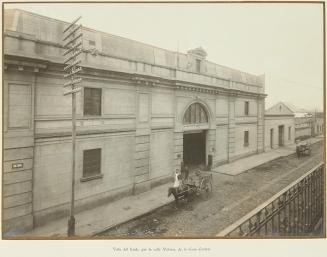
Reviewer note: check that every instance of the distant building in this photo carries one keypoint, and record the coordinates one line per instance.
(279, 126)
(142, 111)
(317, 123)
(303, 121)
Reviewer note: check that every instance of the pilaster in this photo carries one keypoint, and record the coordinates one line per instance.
(231, 128)
(260, 125)
(142, 140)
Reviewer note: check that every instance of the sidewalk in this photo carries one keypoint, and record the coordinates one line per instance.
(94, 221)
(244, 164)
(253, 161)
(97, 220)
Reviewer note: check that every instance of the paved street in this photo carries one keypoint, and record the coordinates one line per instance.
(232, 198)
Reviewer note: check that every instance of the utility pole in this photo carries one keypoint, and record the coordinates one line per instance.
(72, 38)
(315, 123)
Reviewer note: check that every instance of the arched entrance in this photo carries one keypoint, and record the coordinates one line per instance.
(196, 124)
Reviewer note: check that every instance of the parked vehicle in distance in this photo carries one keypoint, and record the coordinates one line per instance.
(303, 147)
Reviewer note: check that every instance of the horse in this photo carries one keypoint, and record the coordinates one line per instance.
(178, 193)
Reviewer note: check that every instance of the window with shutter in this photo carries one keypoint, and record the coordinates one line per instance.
(91, 42)
(92, 101)
(246, 108)
(246, 138)
(91, 162)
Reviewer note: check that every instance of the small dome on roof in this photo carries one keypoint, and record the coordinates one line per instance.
(199, 51)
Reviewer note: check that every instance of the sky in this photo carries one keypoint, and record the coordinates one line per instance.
(282, 41)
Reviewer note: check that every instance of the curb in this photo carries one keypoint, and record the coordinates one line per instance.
(125, 221)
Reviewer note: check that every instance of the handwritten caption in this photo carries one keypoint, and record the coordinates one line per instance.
(161, 249)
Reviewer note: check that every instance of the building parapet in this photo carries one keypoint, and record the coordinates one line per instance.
(117, 53)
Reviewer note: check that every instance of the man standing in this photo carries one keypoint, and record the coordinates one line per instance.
(184, 171)
(177, 181)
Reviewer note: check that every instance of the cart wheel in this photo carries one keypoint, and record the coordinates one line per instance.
(298, 153)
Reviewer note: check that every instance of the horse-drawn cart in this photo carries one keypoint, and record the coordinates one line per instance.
(197, 183)
(303, 148)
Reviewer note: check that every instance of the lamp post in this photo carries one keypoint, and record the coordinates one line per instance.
(73, 41)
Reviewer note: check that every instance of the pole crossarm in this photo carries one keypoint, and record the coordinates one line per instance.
(73, 56)
(72, 48)
(72, 32)
(77, 70)
(73, 91)
(72, 65)
(73, 40)
(73, 82)
(72, 24)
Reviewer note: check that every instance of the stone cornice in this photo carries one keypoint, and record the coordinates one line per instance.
(24, 64)
(22, 36)
(136, 78)
(82, 133)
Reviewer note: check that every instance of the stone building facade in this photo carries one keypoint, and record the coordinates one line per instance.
(317, 127)
(303, 121)
(142, 111)
(303, 126)
(279, 126)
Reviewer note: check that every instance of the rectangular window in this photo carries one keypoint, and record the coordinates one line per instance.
(91, 42)
(246, 138)
(92, 163)
(198, 65)
(19, 106)
(92, 101)
(246, 108)
(289, 133)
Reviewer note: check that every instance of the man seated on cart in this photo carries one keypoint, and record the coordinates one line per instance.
(177, 186)
(177, 180)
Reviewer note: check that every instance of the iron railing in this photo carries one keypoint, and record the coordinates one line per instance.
(294, 211)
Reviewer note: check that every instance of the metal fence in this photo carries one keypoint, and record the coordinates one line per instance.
(294, 211)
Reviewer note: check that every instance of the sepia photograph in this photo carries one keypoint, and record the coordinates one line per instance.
(165, 120)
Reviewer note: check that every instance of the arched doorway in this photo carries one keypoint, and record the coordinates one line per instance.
(196, 124)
